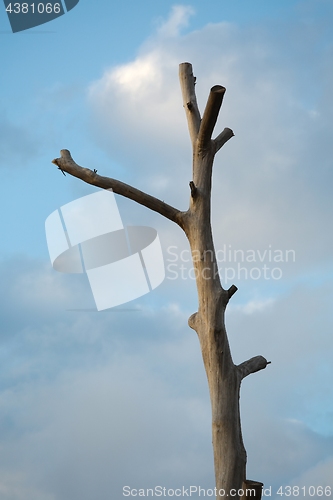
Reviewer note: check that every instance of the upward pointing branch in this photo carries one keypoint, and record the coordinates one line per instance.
(201, 130)
(211, 114)
(187, 83)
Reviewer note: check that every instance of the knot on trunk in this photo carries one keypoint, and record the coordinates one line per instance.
(192, 321)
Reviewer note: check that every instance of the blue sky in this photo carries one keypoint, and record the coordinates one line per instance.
(91, 402)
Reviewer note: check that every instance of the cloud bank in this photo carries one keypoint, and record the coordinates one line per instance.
(92, 402)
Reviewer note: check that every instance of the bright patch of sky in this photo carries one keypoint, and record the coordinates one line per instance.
(90, 402)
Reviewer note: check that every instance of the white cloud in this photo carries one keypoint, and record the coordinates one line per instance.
(253, 306)
(123, 398)
(78, 395)
(90, 401)
(270, 193)
(274, 177)
(179, 18)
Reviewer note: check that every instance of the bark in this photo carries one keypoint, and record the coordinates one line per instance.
(66, 164)
(224, 377)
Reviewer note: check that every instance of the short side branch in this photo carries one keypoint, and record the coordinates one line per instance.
(252, 365)
(187, 83)
(67, 164)
(222, 138)
(193, 189)
(211, 114)
(232, 290)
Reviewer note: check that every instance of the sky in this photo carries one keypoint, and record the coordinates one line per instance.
(92, 401)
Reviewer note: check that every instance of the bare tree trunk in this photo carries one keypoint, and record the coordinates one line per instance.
(224, 377)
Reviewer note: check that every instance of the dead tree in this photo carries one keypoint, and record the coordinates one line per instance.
(224, 377)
